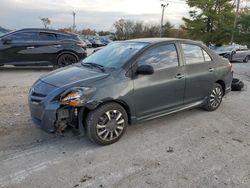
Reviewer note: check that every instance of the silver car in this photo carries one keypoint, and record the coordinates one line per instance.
(234, 53)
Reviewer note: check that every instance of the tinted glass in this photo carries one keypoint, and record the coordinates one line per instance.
(23, 36)
(47, 36)
(63, 37)
(115, 54)
(160, 57)
(193, 54)
(206, 56)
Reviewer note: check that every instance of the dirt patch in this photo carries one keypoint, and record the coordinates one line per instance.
(5, 132)
(14, 109)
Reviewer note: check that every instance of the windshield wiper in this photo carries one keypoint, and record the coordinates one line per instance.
(101, 67)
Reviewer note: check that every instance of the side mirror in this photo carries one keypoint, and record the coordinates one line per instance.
(145, 70)
(6, 41)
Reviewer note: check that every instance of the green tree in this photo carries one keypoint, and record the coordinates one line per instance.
(167, 27)
(210, 20)
(242, 36)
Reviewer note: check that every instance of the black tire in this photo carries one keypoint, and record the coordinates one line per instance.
(247, 58)
(106, 124)
(66, 59)
(215, 98)
(237, 85)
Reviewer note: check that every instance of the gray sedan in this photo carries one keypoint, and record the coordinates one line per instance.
(234, 53)
(129, 82)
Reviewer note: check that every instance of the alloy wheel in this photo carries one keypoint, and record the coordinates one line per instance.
(110, 126)
(66, 59)
(216, 97)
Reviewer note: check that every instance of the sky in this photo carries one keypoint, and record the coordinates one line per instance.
(94, 14)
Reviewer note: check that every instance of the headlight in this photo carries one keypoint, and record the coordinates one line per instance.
(76, 96)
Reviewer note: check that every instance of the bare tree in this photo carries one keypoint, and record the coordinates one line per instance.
(128, 29)
(120, 28)
(46, 22)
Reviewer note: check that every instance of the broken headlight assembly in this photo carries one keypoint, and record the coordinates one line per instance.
(76, 96)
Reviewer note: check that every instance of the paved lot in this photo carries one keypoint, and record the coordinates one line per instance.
(210, 149)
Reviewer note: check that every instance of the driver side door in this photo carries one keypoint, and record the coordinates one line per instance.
(19, 47)
(164, 89)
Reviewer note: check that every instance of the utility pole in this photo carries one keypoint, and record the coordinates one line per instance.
(74, 21)
(235, 20)
(163, 6)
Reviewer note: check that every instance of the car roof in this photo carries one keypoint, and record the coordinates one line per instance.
(45, 30)
(158, 40)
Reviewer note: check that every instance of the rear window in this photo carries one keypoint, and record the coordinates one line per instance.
(206, 56)
(44, 36)
(63, 37)
(195, 54)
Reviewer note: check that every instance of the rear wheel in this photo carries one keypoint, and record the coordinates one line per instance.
(247, 58)
(106, 124)
(214, 99)
(66, 59)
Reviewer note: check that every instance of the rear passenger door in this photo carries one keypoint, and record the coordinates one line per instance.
(199, 70)
(46, 46)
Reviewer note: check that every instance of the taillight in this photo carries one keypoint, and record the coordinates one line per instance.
(81, 44)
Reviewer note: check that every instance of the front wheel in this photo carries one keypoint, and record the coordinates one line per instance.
(106, 124)
(215, 98)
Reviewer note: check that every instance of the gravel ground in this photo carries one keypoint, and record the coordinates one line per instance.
(193, 148)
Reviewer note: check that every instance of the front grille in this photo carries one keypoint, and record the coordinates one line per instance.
(37, 97)
(39, 91)
(35, 94)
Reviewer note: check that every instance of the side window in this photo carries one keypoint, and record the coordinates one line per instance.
(193, 53)
(62, 37)
(206, 56)
(23, 37)
(43, 36)
(160, 57)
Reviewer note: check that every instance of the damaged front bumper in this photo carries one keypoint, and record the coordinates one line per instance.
(54, 117)
(44, 117)
(46, 111)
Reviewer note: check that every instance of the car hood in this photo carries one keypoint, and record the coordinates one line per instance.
(223, 52)
(71, 75)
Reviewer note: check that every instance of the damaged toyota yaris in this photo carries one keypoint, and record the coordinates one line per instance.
(128, 82)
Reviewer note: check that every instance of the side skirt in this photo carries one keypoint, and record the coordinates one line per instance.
(164, 113)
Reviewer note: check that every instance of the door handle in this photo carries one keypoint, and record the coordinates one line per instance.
(179, 76)
(211, 69)
(58, 46)
(30, 47)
